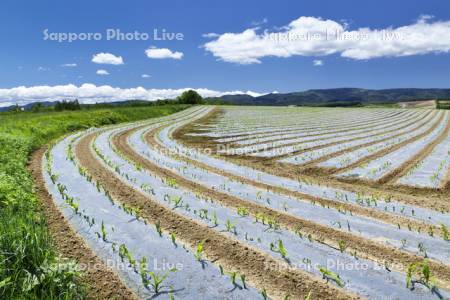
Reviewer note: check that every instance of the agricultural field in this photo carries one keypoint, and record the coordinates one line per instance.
(224, 202)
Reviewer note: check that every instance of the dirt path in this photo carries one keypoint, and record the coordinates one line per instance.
(101, 281)
(231, 254)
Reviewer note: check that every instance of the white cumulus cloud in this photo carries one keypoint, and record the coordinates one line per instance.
(318, 62)
(107, 59)
(161, 53)
(145, 76)
(90, 93)
(102, 72)
(311, 36)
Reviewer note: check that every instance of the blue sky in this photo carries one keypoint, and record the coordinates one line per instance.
(29, 60)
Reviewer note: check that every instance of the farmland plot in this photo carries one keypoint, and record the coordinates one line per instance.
(310, 141)
(151, 197)
(378, 168)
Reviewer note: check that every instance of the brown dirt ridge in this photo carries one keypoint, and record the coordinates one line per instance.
(231, 254)
(102, 282)
(365, 248)
(435, 199)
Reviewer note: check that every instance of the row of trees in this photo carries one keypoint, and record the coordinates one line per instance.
(188, 97)
(67, 105)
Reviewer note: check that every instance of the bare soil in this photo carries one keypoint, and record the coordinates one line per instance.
(102, 282)
(436, 199)
(393, 176)
(231, 254)
(365, 248)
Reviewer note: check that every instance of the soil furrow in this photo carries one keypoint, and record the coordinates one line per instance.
(393, 176)
(319, 138)
(354, 209)
(245, 135)
(231, 254)
(313, 148)
(347, 129)
(309, 168)
(102, 281)
(428, 198)
(365, 248)
(432, 199)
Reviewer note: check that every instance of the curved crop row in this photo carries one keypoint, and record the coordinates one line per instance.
(157, 210)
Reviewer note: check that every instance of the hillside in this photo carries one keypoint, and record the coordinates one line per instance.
(340, 97)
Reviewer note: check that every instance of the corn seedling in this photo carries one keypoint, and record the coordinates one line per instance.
(158, 280)
(143, 270)
(200, 249)
(342, 246)
(430, 231)
(122, 251)
(330, 275)
(244, 285)
(203, 213)
(103, 232)
(158, 228)
(75, 206)
(215, 220)
(445, 232)
(173, 238)
(422, 250)
(243, 211)
(273, 224)
(233, 276)
(172, 182)
(280, 249)
(420, 273)
(230, 226)
(176, 200)
(403, 243)
(264, 294)
(53, 178)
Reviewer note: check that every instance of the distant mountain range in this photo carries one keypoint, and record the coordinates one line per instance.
(322, 97)
(340, 97)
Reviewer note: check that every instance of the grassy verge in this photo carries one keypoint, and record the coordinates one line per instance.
(29, 265)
